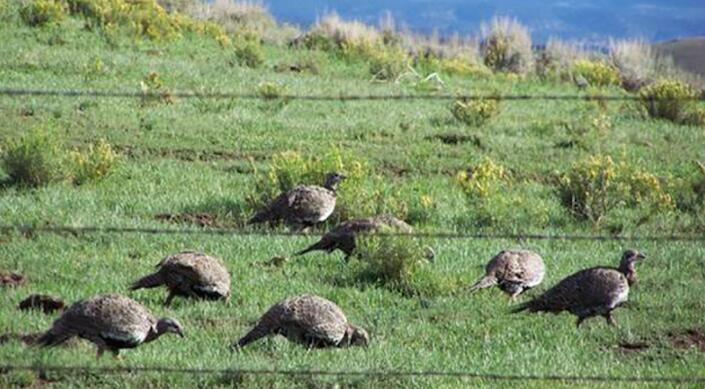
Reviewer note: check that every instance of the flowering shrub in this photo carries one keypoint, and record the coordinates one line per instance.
(94, 163)
(475, 112)
(363, 193)
(144, 18)
(596, 185)
(590, 189)
(482, 179)
(597, 73)
(671, 100)
(41, 12)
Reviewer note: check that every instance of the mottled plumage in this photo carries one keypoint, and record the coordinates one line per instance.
(342, 237)
(591, 292)
(309, 320)
(111, 321)
(302, 206)
(189, 274)
(634, 84)
(513, 271)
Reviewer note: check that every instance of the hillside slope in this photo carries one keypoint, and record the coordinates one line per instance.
(687, 53)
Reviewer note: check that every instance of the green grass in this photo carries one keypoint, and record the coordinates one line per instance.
(195, 156)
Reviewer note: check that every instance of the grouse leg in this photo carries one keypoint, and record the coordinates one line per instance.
(610, 319)
(513, 296)
(169, 298)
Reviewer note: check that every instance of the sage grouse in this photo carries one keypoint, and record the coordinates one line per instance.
(513, 271)
(189, 274)
(302, 206)
(342, 237)
(309, 320)
(590, 292)
(111, 321)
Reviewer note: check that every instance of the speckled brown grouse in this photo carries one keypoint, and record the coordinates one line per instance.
(513, 271)
(189, 274)
(309, 320)
(342, 237)
(111, 321)
(303, 206)
(591, 292)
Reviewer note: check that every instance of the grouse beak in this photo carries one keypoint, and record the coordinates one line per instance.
(641, 256)
(180, 333)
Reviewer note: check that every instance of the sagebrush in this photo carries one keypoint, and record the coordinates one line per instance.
(34, 159)
(400, 265)
(507, 45)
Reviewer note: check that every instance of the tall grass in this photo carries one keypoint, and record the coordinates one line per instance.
(453, 47)
(557, 59)
(639, 64)
(345, 32)
(245, 17)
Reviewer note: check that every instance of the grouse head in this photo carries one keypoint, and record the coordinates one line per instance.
(626, 266)
(355, 336)
(168, 324)
(332, 180)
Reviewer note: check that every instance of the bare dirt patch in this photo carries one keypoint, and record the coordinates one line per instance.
(692, 338)
(199, 219)
(631, 348)
(188, 154)
(47, 304)
(28, 338)
(12, 279)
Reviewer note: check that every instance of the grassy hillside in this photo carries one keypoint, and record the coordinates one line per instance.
(686, 53)
(202, 161)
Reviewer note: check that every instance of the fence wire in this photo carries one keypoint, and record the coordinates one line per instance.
(345, 373)
(340, 97)
(78, 230)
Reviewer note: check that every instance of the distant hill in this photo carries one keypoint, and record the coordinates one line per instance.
(688, 54)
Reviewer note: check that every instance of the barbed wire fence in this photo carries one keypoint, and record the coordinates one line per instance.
(341, 97)
(78, 230)
(43, 369)
(89, 229)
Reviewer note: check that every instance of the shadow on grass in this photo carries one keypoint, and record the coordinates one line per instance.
(7, 183)
(455, 138)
